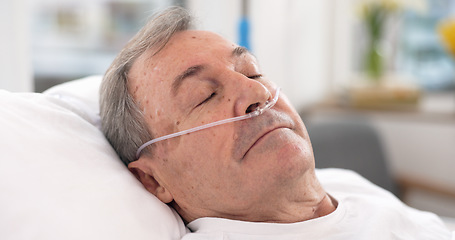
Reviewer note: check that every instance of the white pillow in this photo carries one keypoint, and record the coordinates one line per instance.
(60, 178)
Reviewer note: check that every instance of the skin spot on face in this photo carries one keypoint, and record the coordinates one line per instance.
(170, 128)
(183, 160)
(235, 136)
(169, 144)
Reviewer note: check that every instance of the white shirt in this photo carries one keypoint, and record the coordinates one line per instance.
(364, 211)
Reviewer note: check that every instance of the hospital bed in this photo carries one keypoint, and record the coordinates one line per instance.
(60, 178)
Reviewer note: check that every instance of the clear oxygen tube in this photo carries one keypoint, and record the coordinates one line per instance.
(258, 111)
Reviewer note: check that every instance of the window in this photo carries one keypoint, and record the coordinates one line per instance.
(72, 39)
(421, 52)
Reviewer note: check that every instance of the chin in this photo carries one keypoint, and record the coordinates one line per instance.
(282, 150)
(293, 159)
(297, 156)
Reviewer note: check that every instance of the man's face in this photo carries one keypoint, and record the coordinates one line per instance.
(229, 170)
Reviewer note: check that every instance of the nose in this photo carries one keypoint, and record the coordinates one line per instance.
(251, 95)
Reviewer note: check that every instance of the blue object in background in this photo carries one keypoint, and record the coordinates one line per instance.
(244, 27)
(244, 33)
(421, 53)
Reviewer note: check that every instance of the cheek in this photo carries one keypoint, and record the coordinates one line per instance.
(170, 144)
(201, 153)
(163, 123)
(285, 106)
(191, 172)
(208, 146)
(199, 157)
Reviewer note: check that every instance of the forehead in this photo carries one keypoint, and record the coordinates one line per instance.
(192, 47)
(184, 49)
(184, 40)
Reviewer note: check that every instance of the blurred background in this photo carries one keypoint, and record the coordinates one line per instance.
(374, 81)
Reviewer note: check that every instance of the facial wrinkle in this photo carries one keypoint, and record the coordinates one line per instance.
(169, 127)
(248, 131)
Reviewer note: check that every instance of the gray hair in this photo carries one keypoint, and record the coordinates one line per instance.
(122, 121)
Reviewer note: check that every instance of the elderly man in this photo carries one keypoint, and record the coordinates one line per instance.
(249, 177)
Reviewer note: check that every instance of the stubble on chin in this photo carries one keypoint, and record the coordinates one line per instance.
(247, 132)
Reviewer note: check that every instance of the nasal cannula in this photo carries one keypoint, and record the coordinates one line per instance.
(257, 112)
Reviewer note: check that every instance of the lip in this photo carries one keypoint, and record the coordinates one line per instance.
(261, 137)
(252, 132)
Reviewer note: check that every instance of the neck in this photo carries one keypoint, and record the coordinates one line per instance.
(302, 211)
(292, 203)
(325, 207)
(301, 202)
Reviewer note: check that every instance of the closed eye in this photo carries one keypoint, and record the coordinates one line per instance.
(207, 99)
(255, 76)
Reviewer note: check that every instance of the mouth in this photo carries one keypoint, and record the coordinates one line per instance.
(262, 138)
(256, 131)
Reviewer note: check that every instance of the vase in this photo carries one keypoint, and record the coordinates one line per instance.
(374, 19)
(374, 61)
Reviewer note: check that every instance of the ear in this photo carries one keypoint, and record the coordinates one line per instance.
(145, 175)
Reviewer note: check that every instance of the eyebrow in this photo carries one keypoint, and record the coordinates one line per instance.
(194, 70)
(191, 71)
(239, 51)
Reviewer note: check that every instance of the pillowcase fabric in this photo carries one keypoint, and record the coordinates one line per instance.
(61, 179)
